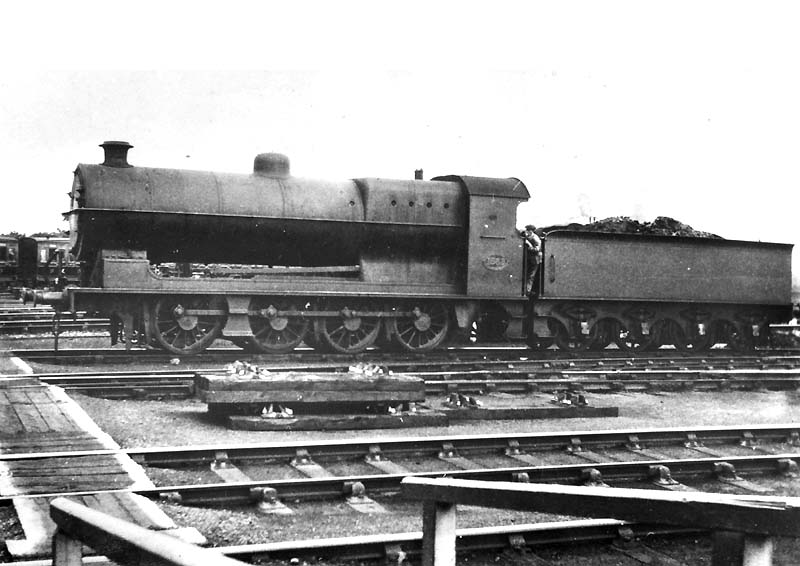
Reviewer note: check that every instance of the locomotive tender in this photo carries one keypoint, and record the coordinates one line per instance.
(345, 265)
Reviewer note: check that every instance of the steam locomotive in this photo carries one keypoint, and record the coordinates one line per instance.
(270, 261)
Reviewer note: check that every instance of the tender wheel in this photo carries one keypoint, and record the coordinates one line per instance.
(424, 330)
(728, 333)
(187, 325)
(604, 332)
(629, 341)
(700, 342)
(564, 341)
(668, 332)
(275, 331)
(350, 332)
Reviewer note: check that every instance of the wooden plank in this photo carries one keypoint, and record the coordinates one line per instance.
(39, 396)
(30, 418)
(17, 396)
(81, 419)
(9, 423)
(20, 476)
(36, 524)
(438, 534)
(6, 483)
(22, 383)
(56, 420)
(296, 381)
(144, 511)
(99, 462)
(340, 422)
(67, 551)
(43, 443)
(56, 481)
(134, 471)
(289, 397)
(775, 516)
(53, 437)
(127, 543)
(107, 503)
(510, 413)
(737, 549)
(41, 485)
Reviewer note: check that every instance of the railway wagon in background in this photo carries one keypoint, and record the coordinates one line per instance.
(45, 261)
(642, 291)
(345, 265)
(9, 254)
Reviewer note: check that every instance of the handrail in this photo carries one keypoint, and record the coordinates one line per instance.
(123, 542)
(742, 526)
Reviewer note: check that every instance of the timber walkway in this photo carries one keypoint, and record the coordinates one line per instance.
(42, 419)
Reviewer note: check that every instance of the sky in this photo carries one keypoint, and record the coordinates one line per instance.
(640, 109)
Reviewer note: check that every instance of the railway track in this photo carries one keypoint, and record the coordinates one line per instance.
(452, 356)
(30, 321)
(770, 454)
(484, 376)
(517, 543)
(29, 326)
(651, 456)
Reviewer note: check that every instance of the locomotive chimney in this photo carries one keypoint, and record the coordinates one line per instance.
(116, 153)
(418, 174)
(274, 165)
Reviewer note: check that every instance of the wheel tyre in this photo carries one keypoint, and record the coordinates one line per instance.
(186, 334)
(278, 335)
(348, 335)
(425, 332)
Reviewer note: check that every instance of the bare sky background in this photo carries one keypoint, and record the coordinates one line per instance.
(643, 109)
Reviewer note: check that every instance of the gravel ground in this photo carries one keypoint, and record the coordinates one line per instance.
(141, 423)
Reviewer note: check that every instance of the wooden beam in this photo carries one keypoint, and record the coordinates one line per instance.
(738, 549)
(67, 551)
(438, 534)
(126, 543)
(771, 516)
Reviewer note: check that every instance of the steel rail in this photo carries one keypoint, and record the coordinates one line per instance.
(468, 540)
(454, 354)
(623, 367)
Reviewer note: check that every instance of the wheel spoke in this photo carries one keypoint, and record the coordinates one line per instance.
(346, 333)
(275, 334)
(183, 334)
(426, 329)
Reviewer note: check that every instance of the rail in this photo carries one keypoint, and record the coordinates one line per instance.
(742, 527)
(123, 542)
